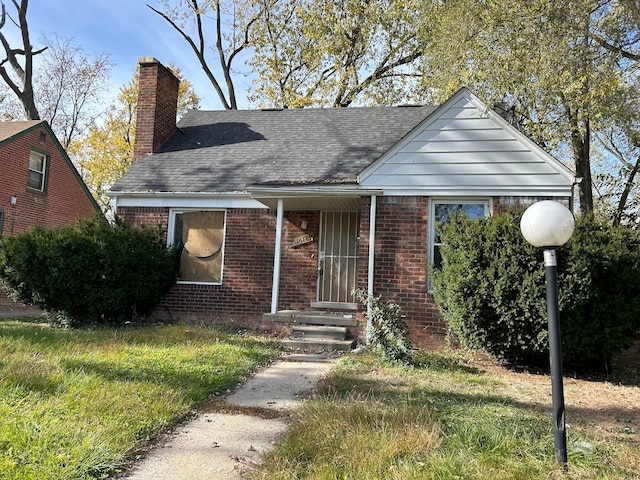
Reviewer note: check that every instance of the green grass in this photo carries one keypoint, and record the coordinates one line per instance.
(438, 420)
(75, 404)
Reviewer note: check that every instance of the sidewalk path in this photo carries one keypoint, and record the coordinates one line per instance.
(226, 443)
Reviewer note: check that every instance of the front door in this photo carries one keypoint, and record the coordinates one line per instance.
(338, 256)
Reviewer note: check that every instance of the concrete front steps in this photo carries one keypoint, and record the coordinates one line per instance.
(313, 331)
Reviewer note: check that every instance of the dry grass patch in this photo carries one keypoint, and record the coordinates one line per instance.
(446, 418)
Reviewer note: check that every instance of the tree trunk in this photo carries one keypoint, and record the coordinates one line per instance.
(625, 193)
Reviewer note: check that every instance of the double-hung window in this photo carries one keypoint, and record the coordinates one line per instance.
(442, 210)
(37, 171)
(199, 235)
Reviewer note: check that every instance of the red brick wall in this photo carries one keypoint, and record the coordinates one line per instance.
(401, 264)
(151, 217)
(157, 107)
(299, 264)
(245, 293)
(64, 200)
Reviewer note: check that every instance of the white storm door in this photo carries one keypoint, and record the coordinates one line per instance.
(338, 256)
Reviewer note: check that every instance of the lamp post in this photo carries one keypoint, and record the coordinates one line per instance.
(548, 225)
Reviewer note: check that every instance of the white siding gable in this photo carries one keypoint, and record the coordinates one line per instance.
(465, 149)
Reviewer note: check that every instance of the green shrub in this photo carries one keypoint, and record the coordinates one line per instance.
(389, 333)
(92, 273)
(491, 290)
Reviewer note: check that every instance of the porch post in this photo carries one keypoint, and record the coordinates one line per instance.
(372, 243)
(276, 258)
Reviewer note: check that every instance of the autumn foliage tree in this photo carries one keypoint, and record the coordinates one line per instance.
(339, 52)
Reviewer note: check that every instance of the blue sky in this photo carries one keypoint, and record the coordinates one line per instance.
(127, 30)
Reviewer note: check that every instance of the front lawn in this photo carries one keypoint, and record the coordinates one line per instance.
(74, 404)
(448, 419)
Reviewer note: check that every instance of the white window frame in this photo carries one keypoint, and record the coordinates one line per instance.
(488, 211)
(43, 172)
(171, 231)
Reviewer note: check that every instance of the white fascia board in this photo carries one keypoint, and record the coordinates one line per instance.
(184, 200)
(515, 191)
(311, 191)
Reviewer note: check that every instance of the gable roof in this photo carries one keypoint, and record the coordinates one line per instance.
(227, 151)
(11, 129)
(463, 148)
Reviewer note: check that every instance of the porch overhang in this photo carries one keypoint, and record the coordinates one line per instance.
(331, 198)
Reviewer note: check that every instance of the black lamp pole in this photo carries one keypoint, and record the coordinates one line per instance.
(555, 356)
(547, 225)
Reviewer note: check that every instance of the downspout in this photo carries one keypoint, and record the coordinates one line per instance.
(372, 244)
(114, 205)
(276, 258)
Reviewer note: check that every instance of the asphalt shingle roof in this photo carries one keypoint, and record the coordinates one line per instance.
(225, 151)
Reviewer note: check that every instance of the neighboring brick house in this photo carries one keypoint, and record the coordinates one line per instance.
(276, 210)
(38, 183)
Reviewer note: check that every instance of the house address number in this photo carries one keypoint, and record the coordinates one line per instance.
(302, 240)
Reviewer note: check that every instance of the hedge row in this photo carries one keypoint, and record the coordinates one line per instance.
(491, 290)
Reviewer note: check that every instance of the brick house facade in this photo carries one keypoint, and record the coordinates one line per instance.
(301, 195)
(39, 186)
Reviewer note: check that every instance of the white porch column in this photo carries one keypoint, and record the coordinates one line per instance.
(372, 244)
(276, 257)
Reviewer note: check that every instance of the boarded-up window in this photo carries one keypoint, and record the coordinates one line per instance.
(201, 236)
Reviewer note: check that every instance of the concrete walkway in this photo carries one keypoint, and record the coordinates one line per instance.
(229, 440)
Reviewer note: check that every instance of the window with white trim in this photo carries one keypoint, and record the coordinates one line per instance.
(442, 210)
(37, 171)
(199, 235)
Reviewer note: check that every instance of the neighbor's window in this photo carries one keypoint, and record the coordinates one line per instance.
(442, 211)
(1, 221)
(200, 237)
(37, 171)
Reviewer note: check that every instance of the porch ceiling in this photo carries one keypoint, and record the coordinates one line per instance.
(327, 204)
(328, 198)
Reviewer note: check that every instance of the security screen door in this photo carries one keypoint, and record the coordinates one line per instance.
(338, 256)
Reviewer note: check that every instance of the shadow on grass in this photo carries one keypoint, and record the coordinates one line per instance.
(348, 385)
(45, 356)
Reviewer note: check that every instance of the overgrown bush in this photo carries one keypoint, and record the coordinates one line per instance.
(491, 290)
(389, 334)
(92, 273)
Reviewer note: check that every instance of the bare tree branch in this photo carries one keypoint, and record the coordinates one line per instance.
(24, 87)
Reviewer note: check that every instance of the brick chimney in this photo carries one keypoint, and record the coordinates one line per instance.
(157, 107)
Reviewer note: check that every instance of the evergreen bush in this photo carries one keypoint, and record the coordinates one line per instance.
(91, 273)
(491, 290)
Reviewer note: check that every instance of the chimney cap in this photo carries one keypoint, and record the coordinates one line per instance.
(147, 60)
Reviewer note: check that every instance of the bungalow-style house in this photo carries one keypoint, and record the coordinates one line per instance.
(39, 186)
(280, 213)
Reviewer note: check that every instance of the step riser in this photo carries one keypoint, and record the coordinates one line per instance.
(319, 345)
(309, 318)
(308, 331)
